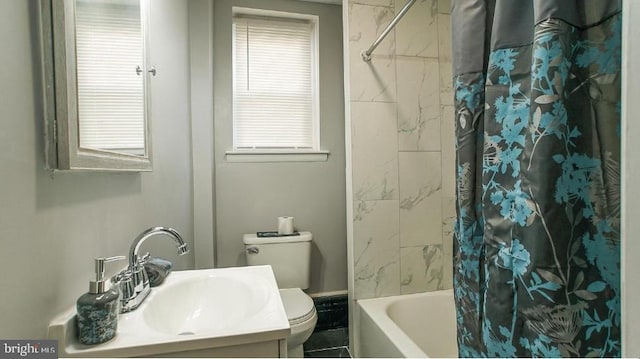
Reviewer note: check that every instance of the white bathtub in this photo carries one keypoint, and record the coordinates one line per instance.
(407, 326)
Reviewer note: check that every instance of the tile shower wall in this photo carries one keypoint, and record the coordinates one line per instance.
(402, 148)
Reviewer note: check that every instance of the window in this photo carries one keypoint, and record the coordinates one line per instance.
(275, 89)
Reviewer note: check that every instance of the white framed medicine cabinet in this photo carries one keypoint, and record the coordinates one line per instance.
(96, 75)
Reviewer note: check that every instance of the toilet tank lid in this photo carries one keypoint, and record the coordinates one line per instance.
(252, 238)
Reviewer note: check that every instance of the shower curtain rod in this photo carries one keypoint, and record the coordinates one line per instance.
(366, 55)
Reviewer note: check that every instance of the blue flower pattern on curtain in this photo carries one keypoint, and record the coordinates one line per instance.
(537, 236)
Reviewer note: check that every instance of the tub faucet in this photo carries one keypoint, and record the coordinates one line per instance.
(134, 282)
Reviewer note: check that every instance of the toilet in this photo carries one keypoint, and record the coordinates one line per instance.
(290, 259)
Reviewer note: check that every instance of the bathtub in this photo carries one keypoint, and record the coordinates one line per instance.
(407, 326)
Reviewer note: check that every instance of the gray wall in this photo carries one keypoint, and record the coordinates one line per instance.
(51, 227)
(250, 196)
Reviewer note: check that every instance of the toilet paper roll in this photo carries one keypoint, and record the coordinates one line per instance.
(285, 225)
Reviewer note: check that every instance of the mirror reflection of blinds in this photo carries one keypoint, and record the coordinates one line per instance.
(273, 83)
(109, 47)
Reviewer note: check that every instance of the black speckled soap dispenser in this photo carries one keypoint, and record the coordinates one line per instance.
(97, 317)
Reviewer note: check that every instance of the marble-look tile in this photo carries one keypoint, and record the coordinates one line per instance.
(387, 3)
(444, 6)
(420, 198)
(372, 81)
(418, 105)
(417, 32)
(448, 221)
(448, 140)
(377, 251)
(445, 59)
(374, 139)
(448, 218)
(421, 269)
(444, 37)
(366, 23)
(446, 83)
(447, 268)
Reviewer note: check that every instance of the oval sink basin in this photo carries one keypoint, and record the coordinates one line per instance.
(205, 304)
(224, 312)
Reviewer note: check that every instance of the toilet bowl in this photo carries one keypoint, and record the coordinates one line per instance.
(290, 259)
(302, 317)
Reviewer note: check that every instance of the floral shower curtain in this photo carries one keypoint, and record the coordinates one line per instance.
(537, 236)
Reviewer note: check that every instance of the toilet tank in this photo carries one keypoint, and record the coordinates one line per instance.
(289, 256)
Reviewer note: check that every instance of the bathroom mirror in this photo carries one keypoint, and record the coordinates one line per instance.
(96, 77)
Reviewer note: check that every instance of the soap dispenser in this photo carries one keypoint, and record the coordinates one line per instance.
(98, 310)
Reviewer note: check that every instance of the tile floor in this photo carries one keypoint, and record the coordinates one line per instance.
(331, 336)
(330, 343)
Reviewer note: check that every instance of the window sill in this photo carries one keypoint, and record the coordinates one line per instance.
(248, 156)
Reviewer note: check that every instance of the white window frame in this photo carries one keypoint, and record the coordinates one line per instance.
(313, 154)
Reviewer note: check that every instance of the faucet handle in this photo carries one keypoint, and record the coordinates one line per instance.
(127, 289)
(144, 259)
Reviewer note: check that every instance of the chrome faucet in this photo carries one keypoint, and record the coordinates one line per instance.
(134, 282)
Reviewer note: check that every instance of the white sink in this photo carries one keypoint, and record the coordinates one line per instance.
(191, 311)
(198, 305)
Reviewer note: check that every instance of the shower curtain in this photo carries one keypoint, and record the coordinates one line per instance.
(537, 235)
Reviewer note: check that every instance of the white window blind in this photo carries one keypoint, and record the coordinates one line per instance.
(274, 83)
(109, 47)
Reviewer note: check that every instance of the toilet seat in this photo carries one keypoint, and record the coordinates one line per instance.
(298, 305)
